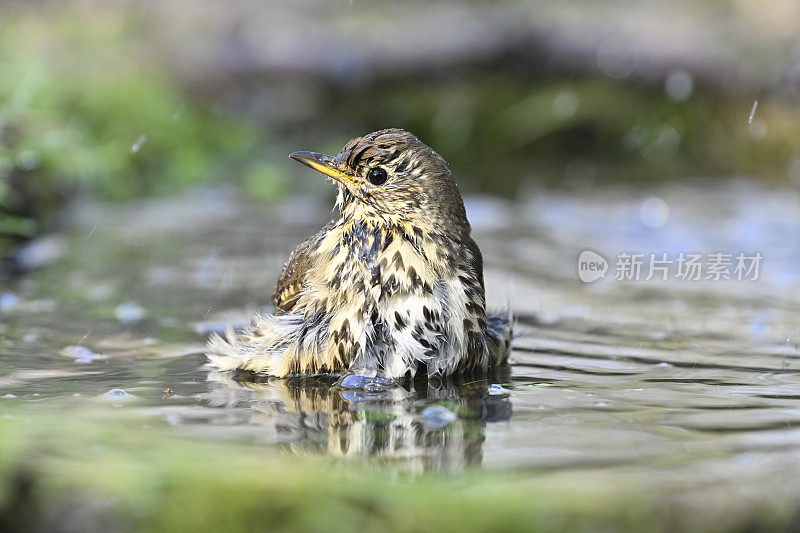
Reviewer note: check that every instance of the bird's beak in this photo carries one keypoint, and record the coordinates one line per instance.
(324, 163)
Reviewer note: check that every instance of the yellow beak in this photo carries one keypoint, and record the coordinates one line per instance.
(324, 163)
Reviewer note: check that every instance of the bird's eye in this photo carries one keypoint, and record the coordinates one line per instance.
(377, 176)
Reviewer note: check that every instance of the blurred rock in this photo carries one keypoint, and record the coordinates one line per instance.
(740, 47)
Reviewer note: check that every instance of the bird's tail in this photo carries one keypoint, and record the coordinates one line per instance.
(271, 344)
(499, 332)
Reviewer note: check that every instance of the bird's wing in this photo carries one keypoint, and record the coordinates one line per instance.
(292, 280)
(475, 258)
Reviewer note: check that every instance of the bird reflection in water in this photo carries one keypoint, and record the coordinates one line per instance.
(427, 424)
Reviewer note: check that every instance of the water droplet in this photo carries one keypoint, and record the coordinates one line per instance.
(615, 58)
(654, 212)
(42, 252)
(353, 381)
(129, 312)
(8, 301)
(679, 86)
(81, 354)
(633, 138)
(497, 390)
(82, 351)
(9, 395)
(752, 112)
(117, 393)
(139, 143)
(565, 104)
(358, 381)
(373, 386)
(28, 160)
(437, 416)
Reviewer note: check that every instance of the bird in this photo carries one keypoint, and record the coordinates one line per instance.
(392, 287)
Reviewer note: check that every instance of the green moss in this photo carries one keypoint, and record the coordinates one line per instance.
(147, 479)
(134, 474)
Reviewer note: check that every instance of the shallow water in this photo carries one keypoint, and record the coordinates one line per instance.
(688, 384)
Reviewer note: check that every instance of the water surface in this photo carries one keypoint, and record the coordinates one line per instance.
(691, 385)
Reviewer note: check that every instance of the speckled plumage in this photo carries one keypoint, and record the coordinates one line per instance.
(393, 285)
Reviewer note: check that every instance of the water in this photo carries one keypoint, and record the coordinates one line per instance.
(693, 385)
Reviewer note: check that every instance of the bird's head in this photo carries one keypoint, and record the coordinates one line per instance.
(390, 177)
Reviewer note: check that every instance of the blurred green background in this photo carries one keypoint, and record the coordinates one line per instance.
(103, 103)
(129, 99)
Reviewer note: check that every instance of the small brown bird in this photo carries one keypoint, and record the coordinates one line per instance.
(394, 286)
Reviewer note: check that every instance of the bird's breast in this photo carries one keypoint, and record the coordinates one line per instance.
(362, 265)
